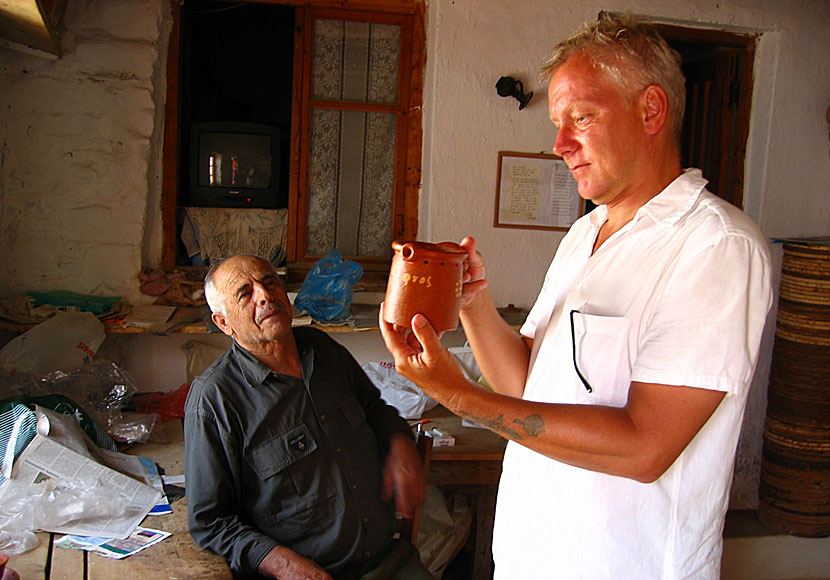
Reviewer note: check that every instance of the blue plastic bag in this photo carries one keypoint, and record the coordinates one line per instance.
(327, 291)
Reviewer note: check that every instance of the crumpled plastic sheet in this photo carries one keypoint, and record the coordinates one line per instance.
(47, 505)
(101, 387)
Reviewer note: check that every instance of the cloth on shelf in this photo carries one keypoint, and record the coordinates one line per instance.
(178, 288)
(155, 282)
(35, 307)
(218, 232)
(74, 301)
(22, 309)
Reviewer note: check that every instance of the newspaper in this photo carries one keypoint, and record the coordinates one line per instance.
(140, 539)
(63, 453)
(142, 469)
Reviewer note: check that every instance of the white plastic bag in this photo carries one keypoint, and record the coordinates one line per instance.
(465, 357)
(64, 342)
(200, 355)
(444, 529)
(398, 391)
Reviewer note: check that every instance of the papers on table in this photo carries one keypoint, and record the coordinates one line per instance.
(144, 470)
(153, 478)
(89, 482)
(114, 548)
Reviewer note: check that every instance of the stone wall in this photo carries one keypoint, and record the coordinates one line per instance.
(79, 169)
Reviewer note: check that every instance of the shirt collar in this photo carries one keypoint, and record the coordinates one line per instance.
(255, 372)
(668, 206)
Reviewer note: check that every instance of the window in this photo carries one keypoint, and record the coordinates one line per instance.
(355, 135)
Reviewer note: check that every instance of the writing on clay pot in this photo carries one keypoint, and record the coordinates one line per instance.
(425, 278)
(407, 278)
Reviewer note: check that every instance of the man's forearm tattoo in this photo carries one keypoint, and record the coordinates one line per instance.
(533, 425)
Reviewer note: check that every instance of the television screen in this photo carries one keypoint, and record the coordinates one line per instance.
(234, 160)
(234, 165)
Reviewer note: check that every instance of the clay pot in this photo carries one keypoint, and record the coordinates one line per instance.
(7, 573)
(425, 278)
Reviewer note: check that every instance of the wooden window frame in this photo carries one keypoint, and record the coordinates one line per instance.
(408, 13)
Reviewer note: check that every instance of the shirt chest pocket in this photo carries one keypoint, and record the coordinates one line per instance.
(295, 488)
(279, 451)
(601, 356)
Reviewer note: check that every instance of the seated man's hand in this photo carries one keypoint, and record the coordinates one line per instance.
(403, 475)
(286, 564)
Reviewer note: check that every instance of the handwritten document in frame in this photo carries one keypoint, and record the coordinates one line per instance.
(535, 191)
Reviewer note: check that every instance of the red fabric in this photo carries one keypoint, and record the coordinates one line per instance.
(169, 406)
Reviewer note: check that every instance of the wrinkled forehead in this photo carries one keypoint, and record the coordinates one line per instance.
(241, 270)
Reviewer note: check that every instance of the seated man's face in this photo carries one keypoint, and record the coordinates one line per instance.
(258, 308)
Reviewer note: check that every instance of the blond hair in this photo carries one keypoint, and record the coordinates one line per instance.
(633, 54)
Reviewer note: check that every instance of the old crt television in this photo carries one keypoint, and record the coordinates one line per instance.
(234, 165)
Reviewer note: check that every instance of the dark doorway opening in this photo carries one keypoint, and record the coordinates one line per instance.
(718, 69)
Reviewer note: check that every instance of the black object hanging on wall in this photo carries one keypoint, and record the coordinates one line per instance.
(510, 87)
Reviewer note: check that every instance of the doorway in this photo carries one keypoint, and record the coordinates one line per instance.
(718, 69)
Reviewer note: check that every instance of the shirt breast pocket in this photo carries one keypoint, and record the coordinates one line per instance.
(602, 356)
(297, 494)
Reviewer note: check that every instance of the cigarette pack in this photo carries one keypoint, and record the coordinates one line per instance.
(440, 438)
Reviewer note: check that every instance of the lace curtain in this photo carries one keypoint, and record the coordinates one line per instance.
(352, 153)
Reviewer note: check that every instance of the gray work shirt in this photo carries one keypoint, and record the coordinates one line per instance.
(276, 460)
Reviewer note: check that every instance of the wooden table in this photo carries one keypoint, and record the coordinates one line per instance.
(475, 461)
(175, 558)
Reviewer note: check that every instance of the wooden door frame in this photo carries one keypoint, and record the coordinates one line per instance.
(746, 44)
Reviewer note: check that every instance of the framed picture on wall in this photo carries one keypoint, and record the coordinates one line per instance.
(535, 191)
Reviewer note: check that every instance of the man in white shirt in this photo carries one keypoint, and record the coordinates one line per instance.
(624, 394)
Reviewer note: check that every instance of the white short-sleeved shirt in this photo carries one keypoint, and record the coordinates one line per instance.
(679, 296)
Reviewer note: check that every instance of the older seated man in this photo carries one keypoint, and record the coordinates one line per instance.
(292, 457)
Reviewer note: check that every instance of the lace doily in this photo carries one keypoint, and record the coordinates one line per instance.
(218, 233)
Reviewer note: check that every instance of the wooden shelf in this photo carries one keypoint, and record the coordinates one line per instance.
(366, 316)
